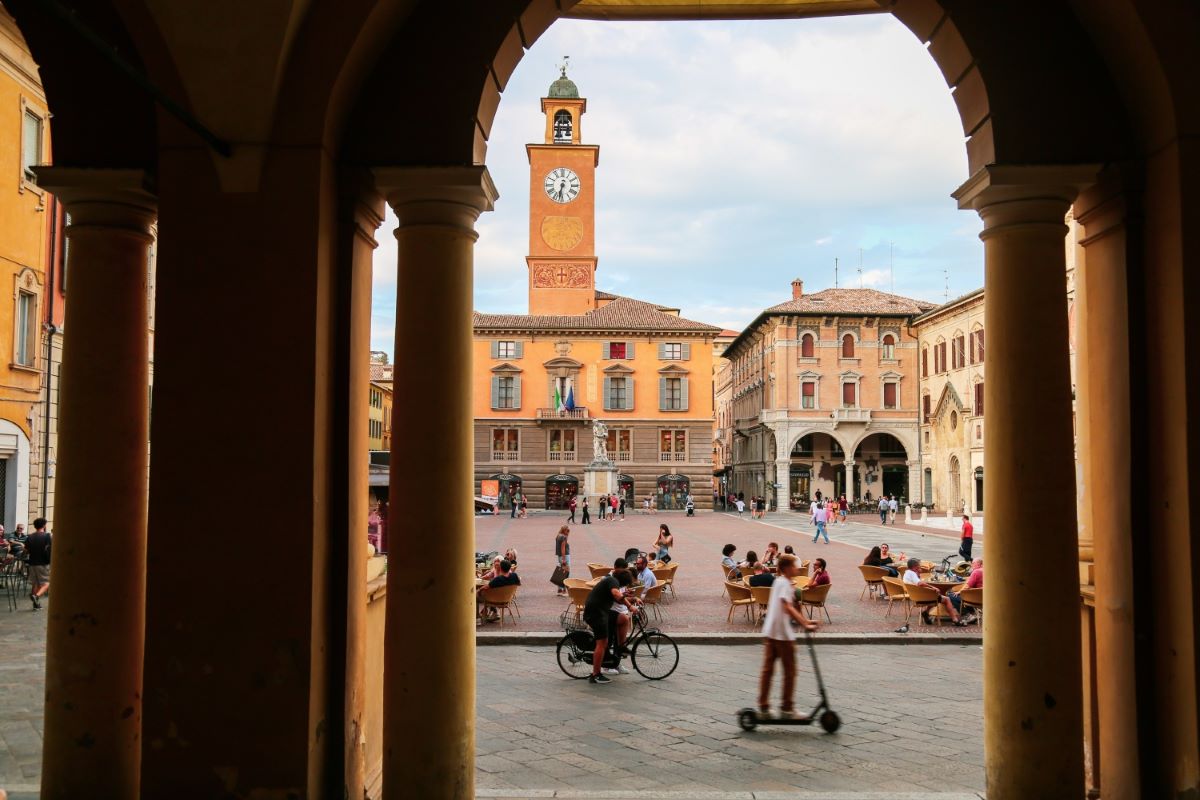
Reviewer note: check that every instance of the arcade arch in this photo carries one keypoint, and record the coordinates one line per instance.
(279, 133)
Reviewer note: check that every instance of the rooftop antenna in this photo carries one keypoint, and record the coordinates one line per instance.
(946, 293)
(860, 283)
(835, 272)
(892, 265)
(562, 68)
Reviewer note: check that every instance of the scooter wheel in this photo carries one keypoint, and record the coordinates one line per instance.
(748, 719)
(830, 721)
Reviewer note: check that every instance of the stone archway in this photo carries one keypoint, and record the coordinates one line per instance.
(954, 486)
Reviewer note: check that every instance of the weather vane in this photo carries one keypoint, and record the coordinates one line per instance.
(563, 66)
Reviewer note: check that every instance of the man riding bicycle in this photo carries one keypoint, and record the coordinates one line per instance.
(598, 614)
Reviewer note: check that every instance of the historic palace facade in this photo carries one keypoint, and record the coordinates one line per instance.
(823, 398)
(542, 379)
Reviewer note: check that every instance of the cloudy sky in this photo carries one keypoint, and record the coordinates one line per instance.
(735, 156)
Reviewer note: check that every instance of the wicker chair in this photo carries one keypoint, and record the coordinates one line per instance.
(739, 596)
(872, 579)
(922, 598)
(813, 598)
(653, 600)
(762, 596)
(500, 599)
(972, 598)
(893, 590)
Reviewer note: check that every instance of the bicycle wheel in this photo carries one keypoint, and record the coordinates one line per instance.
(655, 656)
(576, 663)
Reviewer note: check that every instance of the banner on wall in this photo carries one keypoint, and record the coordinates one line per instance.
(489, 490)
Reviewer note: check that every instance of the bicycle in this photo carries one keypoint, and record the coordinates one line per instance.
(654, 654)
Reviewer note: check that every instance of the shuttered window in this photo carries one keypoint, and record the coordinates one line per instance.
(507, 349)
(979, 399)
(808, 394)
(848, 395)
(506, 392)
(977, 346)
(925, 403)
(672, 394)
(925, 363)
(618, 393)
(889, 395)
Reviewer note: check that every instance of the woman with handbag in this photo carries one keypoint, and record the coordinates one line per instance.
(562, 553)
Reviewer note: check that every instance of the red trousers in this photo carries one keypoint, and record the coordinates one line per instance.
(786, 651)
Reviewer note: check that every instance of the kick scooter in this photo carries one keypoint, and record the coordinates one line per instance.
(750, 718)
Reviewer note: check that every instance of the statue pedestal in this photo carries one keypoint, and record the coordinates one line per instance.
(600, 477)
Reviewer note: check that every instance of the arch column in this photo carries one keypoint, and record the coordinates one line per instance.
(95, 634)
(849, 465)
(914, 482)
(1033, 699)
(429, 653)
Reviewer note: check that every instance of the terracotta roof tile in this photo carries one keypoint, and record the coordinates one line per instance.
(381, 372)
(623, 313)
(851, 301)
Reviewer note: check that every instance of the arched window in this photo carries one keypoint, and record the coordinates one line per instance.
(562, 127)
(848, 346)
(889, 346)
(924, 362)
(807, 346)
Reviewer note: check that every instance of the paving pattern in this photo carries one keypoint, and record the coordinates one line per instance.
(911, 723)
(22, 689)
(700, 606)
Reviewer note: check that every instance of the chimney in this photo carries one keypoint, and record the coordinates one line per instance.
(797, 289)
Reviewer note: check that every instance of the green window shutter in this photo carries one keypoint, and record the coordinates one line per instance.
(629, 393)
(495, 387)
(662, 351)
(662, 391)
(606, 350)
(607, 386)
(686, 351)
(519, 349)
(516, 391)
(683, 393)
(629, 350)
(495, 353)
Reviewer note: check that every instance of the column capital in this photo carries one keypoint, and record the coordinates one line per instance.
(1023, 194)
(849, 462)
(440, 196)
(111, 198)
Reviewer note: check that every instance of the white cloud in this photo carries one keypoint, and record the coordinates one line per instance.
(736, 156)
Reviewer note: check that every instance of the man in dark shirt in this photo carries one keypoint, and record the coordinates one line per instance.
(38, 546)
(596, 614)
(761, 577)
(506, 577)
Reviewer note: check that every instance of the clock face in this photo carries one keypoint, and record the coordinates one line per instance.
(562, 185)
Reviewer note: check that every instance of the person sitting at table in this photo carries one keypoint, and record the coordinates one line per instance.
(875, 559)
(510, 555)
(747, 566)
(494, 571)
(761, 577)
(642, 573)
(975, 581)
(506, 577)
(788, 551)
(820, 575)
(771, 553)
(885, 555)
(727, 561)
(913, 576)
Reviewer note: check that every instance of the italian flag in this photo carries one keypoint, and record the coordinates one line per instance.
(558, 400)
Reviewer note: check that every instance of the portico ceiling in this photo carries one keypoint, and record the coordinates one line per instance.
(718, 9)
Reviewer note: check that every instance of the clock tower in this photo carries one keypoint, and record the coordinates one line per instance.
(562, 208)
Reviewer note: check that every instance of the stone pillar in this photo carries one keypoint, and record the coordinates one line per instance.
(1033, 698)
(429, 656)
(95, 634)
(1103, 378)
(783, 476)
(849, 480)
(914, 482)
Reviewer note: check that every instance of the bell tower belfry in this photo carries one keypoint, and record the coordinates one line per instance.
(562, 207)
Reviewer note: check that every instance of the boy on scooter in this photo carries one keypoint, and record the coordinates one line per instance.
(781, 638)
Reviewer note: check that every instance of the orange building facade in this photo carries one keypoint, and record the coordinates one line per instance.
(823, 398)
(543, 379)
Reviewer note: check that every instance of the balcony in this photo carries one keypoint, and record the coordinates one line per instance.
(557, 455)
(672, 456)
(841, 415)
(624, 455)
(506, 455)
(554, 415)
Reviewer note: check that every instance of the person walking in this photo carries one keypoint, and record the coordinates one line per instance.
(562, 552)
(586, 518)
(893, 507)
(780, 639)
(38, 548)
(571, 507)
(968, 538)
(820, 516)
(621, 508)
(883, 510)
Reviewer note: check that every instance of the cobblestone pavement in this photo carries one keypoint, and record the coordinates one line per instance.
(540, 731)
(700, 606)
(22, 688)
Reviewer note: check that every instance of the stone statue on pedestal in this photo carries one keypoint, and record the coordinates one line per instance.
(599, 441)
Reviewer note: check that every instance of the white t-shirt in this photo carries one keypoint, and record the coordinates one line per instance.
(912, 576)
(820, 514)
(778, 624)
(647, 578)
(741, 506)
(893, 505)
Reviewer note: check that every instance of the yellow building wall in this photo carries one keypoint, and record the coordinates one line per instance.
(536, 379)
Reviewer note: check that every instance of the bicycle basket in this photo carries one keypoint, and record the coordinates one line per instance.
(570, 623)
